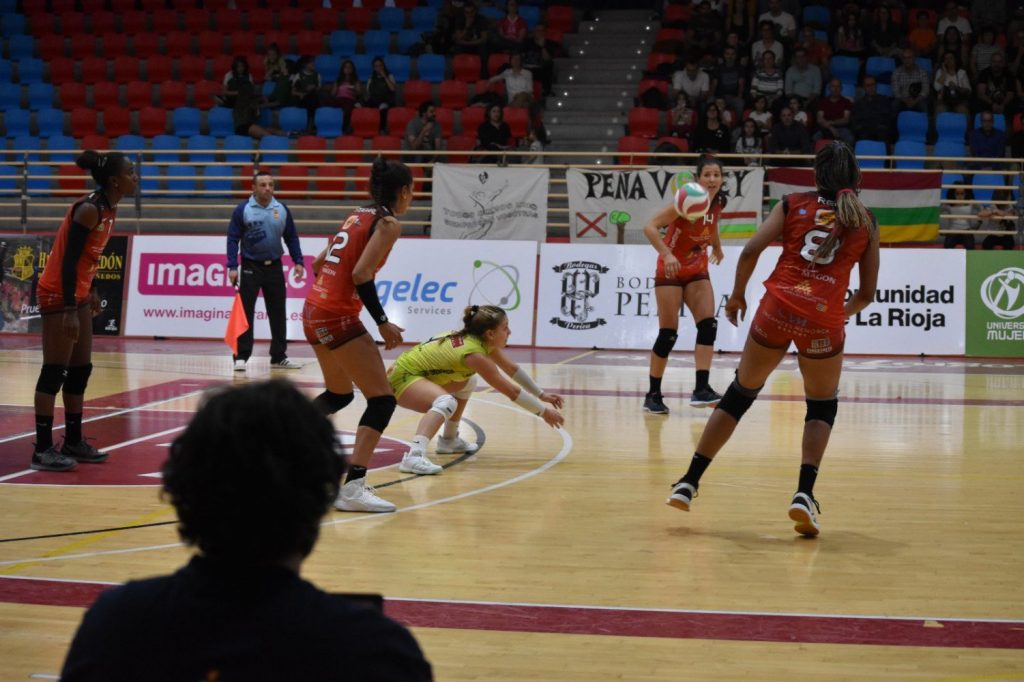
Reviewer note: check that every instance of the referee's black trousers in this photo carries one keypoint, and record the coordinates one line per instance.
(256, 276)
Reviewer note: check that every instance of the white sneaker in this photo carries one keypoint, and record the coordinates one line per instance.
(802, 512)
(239, 365)
(682, 496)
(287, 363)
(416, 462)
(358, 497)
(448, 446)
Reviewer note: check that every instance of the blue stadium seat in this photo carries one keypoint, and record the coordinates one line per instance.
(6, 71)
(364, 65)
(925, 64)
(17, 122)
(424, 19)
(166, 148)
(880, 67)
(530, 14)
(185, 121)
(274, 143)
(292, 119)
(149, 177)
(67, 147)
(492, 13)
(391, 19)
(42, 183)
(216, 179)
(12, 24)
(10, 96)
(328, 66)
(816, 14)
(181, 180)
(952, 179)
(907, 148)
(238, 143)
(870, 148)
(329, 121)
(983, 194)
(377, 43)
(399, 65)
(845, 68)
(951, 125)
(430, 67)
(40, 96)
(9, 179)
(30, 70)
(220, 121)
(912, 125)
(27, 142)
(408, 38)
(50, 122)
(342, 43)
(884, 89)
(998, 121)
(127, 143)
(201, 142)
(20, 47)
(950, 148)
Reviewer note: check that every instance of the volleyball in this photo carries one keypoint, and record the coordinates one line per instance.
(692, 201)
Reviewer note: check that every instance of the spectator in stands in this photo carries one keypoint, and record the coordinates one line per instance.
(725, 113)
(952, 17)
(910, 84)
(991, 213)
(683, 118)
(872, 114)
(884, 37)
(712, 135)
(694, 82)
(923, 38)
(705, 29)
(510, 32)
(741, 17)
(767, 43)
(768, 79)
(750, 141)
(785, 24)
(441, 39)
(952, 86)
(818, 52)
(960, 223)
(761, 116)
(984, 50)
(1015, 51)
(803, 79)
(1016, 21)
(347, 92)
(732, 39)
(493, 134)
(235, 81)
(246, 115)
(988, 13)
(850, 37)
(987, 142)
(834, 115)
(518, 82)
(953, 42)
(789, 137)
(306, 88)
(471, 34)
(380, 89)
(731, 79)
(531, 143)
(423, 133)
(539, 58)
(275, 68)
(996, 87)
(796, 105)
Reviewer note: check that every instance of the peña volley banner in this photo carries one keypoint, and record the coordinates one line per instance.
(612, 207)
(489, 202)
(906, 204)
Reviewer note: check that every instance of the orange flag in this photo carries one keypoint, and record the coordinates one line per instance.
(238, 324)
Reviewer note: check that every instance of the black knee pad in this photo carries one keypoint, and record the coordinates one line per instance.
(51, 377)
(77, 379)
(707, 331)
(378, 412)
(737, 400)
(665, 342)
(328, 403)
(822, 410)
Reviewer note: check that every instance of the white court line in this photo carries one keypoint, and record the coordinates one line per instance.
(567, 444)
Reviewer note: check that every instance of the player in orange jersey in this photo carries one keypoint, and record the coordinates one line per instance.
(330, 319)
(824, 234)
(682, 276)
(67, 305)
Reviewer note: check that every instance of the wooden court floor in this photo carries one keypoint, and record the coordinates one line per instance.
(550, 555)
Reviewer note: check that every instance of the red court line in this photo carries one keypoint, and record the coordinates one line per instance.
(577, 620)
(981, 402)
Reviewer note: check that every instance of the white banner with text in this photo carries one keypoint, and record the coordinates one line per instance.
(489, 202)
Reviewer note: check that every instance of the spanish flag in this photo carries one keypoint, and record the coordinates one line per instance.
(238, 324)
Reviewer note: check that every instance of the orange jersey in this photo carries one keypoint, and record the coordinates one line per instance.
(815, 291)
(689, 241)
(50, 281)
(334, 290)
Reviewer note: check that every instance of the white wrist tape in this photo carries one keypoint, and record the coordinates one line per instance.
(526, 381)
(529, 403)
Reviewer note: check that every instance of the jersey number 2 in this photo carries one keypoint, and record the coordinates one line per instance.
(339, 242)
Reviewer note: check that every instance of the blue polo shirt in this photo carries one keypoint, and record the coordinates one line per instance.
(260, 230)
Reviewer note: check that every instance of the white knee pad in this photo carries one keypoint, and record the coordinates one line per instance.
(445, 406)
(467, 391)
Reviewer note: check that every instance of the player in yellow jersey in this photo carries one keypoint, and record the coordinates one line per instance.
(438, 376)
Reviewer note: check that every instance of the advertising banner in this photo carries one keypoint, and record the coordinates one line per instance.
(179, 286)
(612, 207)
(995, 303)
(23, 258)
(489, 202)
(597, 296)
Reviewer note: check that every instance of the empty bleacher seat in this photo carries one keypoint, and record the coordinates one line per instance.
(50, 122)
(152, 121)
(912, 125)
(818, 15)
(185, 121)
(905, 148)
(62, 148)
(951, 125)
(328, 121)
(10, 96)
(202, 148)
(644, 122)
(166, 148)
(181, 180)
(328, 66)
(398, 118)
(129, 143)
(431, 68)
(274, 148)
(880, 67)
(238, 149)
(17, 122)
(377, 43)
(423, 19)
(30, 70)
(26, 147)
(845, 68)
(342, 43)
(633, 150)
(399, 65)
(391, 19)
(220, 121)
(870, 148)
(416, 92)
(292, 119)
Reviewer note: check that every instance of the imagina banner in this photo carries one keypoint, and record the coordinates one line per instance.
(995, 303)
(612, 207)
(489, 202)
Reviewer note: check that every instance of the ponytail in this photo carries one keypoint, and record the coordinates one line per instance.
(477, 320)
(102, 167)
(387, 178)
(837, 176)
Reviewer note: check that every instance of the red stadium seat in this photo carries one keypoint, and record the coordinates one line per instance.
(221, 65)
(226, 20)
(555, 35)
(292, 180)
(173, 94)
(261, 21)
(453, 94)
(83, 45)
(349, 143)
(644, 122)
(126, 68)
(518, 121)
(460, 143)
(633, 150)
(358, 19)
(72, 95)
(196, 20)
(361, 183)
(677, 13)
(471, 118)
(398, 119)
(83, 122)
(292, 20)
(102, 23)
(561, 17)
(164, 20)
(106, 94)
(144, 45)
(446, 119)
(138, 94)
(495, 62)
(333, 179)
(50, 46)
(133, 22)
(94, 141)
(159, 68)
(365, 122)
(71, 178)
(310, 42)
(315, 148)
(94, 70)
(211, 44)
(657, 58)
(178, 43)
(382, 144)
(204, 92)
(243, 42)
(191, 68)
(117, 121)
(152, 121)
(325, 19)
(416, 92)
(466, 67)
(62, 70)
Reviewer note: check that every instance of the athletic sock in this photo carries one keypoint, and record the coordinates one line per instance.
(451, 429)
(697, 466)
(703, 375)
(44, 432)
(73, 427)
(355, 472)
(808, 475)
(420, 443)
(655, 384)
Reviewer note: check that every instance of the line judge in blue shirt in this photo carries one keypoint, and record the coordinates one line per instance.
(260, 224)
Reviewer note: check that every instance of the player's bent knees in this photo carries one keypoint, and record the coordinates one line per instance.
(466, 392)
(329, 402)
(822, 409)
(738, 399)
(445, 405)
(665, 342)
(378, 412)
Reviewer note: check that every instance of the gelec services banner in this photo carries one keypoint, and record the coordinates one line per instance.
(489, 202)
(601, 296)
(612, 207)
(995, 303)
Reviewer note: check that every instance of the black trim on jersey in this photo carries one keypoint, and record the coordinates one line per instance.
(74, 246)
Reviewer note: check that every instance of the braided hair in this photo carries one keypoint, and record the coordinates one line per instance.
(102, 167)
(837, 177)
(387, 178)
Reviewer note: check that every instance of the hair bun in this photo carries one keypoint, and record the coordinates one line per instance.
(89, 160)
